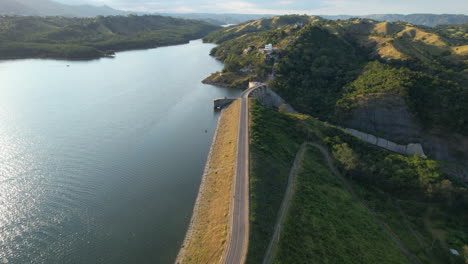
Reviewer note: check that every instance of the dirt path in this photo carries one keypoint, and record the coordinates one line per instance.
(348, 186)
(272, 247)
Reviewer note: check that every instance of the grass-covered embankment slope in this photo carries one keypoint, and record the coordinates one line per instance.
(87, 38)
(274, 143)
(424, 208)
(325, 224)
(205, 241)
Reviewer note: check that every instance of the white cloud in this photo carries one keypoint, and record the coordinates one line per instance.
(286, 2)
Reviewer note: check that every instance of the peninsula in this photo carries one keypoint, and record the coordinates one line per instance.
(90, 38)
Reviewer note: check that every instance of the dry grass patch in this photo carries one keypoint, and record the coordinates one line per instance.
(256, 24)
(386, 50)
(386, 28)
(423, 36)
(383, 47)
(461, 50)
(209, 230)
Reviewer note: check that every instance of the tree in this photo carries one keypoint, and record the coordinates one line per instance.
(346, 156)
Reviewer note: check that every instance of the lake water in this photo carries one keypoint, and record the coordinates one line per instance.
(100, 161)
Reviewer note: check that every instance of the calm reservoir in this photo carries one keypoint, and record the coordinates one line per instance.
(100, 161)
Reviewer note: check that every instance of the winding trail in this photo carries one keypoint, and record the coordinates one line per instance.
(271, 251)
(273, 245)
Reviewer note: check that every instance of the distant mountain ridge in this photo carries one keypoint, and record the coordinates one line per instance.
(219, 19)
(51, 8)
(429, 20)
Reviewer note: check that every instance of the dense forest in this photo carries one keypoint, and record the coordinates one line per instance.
(316, 78)
(84, 38)
(315, 69)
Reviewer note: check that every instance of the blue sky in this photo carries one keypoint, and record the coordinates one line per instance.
(314, 7)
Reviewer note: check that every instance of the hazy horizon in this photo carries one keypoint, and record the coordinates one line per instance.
(280, 7)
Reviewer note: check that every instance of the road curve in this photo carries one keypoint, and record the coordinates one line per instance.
(238, 233)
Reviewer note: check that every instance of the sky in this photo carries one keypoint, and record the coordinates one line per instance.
(311, 7)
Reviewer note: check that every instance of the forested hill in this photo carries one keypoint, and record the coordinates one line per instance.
(317, 63)
(84, 38)
(218, 19)
(396, 80)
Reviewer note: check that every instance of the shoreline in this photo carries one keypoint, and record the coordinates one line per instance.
(91, 58)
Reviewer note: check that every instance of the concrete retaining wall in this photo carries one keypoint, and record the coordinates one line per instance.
(223, 102)
(269, 98)
(410, 149)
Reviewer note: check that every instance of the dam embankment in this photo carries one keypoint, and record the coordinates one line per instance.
(207, 234)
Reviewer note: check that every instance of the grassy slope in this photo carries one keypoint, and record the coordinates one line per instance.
(409, 194)
(421, 205)
(211, 219)
(274, 144)
(61, 37)
(326, 225)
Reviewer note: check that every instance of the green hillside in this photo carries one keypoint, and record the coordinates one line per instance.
(316, 66)
(328, 69)
(456, 34)
(60, 37)
(240, 48)
(408, 195)
(326, 224)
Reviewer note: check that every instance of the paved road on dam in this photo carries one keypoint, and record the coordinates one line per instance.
(236, 250)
